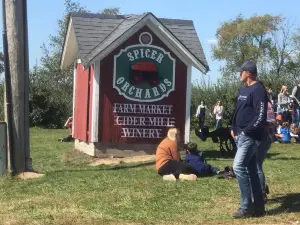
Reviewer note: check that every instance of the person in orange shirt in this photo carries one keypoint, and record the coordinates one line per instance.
(68, 124)
(168, 162)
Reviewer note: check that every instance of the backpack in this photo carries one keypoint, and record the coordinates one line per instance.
(228, 173)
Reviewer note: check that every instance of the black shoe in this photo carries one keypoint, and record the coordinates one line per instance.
(242, 213)
(267, 189)
(260, 213)
(265, 198)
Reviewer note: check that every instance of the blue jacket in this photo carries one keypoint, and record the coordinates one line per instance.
(195, 161)
(250, 111)
(286, 134)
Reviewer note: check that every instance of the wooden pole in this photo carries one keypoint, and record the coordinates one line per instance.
(8, 98)
(28, 160)
(16, 52)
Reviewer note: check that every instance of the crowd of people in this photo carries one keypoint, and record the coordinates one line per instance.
(286, 108)
(257, 122)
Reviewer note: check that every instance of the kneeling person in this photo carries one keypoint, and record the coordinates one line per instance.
(168, 162)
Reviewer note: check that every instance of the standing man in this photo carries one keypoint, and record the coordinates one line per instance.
(296, 97)
(248, 130)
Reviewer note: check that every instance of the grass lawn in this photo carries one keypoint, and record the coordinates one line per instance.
(72, 192)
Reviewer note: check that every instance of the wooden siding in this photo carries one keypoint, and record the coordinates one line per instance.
(108, 132)
(81, 112)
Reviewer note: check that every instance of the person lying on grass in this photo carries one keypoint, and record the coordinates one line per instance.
(168, 162)
(284, 136)
(195, 159)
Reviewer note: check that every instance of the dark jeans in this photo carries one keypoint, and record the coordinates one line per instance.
(176, 168)
(206, 170)
(201, 122)
(297, 115)
(286, 117)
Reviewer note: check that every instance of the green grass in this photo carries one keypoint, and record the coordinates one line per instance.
(72, 192)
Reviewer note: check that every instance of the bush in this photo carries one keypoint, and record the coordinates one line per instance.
(47, 111)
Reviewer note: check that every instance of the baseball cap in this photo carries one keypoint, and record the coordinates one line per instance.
(249, 66)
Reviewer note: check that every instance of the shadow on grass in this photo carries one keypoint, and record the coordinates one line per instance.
(289, 203)
(213, 154)
(121, 166)
(286, 158)
(271, 155)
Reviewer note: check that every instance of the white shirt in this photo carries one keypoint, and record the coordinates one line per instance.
(198, 109)
(278, 129)
(218, 111)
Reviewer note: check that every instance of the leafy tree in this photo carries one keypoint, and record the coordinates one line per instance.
(110, 11)
(241, 39)
(270, 40)
(51, 89)
(266, 39)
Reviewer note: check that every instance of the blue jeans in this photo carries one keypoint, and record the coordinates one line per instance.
(297, 115)
(261, 153)
(245, 169)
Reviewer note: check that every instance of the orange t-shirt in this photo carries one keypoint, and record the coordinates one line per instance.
(166, 150)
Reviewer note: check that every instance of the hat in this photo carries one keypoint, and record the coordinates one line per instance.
(191, 146)
(249, 66)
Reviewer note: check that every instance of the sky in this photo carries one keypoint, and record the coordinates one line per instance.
(206, 15)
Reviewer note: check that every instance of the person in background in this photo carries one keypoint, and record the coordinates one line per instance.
(68, 124)
(283, 97)
(168, 162)
(200, 114)
(218, 111)
(248, 126)
(284, 135)
(295, 132)
(269, 93)
(278, 123)
(296, 98)
(274, 106)
(265, 145)
(283, 101)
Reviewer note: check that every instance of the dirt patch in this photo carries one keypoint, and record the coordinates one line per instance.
(115, 161)
(30, 175)
(75, 158)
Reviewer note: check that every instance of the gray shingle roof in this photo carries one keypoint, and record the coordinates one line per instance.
(95, 32)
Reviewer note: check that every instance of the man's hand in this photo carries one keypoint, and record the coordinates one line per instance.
(232, 134)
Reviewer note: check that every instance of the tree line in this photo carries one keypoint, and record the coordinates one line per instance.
(272, 41)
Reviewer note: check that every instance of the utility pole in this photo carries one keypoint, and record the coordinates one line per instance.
(17, 83)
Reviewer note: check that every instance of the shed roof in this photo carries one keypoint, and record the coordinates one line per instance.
(94, 33)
